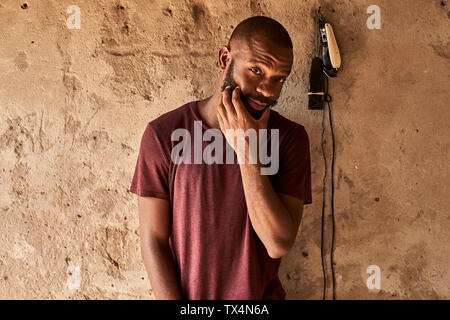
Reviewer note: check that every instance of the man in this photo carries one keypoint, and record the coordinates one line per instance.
(218, 231)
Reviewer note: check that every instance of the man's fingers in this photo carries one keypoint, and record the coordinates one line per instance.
(221, 112)
(237, 102)
(226, 98)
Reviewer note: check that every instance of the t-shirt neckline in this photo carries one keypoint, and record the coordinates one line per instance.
(194, 108)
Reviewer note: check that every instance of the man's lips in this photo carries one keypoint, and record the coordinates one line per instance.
(257, 104)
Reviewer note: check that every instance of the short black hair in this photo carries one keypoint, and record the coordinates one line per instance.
(264, 26)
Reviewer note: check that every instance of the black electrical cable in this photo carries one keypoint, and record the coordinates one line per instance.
(328, 100)
(332, 194)
(323, 212)
(325, 175)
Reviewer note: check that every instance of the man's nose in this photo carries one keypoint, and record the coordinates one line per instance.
(266, 89)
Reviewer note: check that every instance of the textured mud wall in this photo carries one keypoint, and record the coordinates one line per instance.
(74, 104)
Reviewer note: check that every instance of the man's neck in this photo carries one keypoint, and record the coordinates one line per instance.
(207, 109)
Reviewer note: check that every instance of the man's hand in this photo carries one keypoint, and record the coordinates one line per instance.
(274, 217)
(233, 115)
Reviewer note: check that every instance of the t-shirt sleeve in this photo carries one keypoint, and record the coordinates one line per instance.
(294, 175)
(151, 175)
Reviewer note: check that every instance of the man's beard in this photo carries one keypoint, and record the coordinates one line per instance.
(229, 81)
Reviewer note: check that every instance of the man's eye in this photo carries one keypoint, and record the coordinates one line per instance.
(255, 70)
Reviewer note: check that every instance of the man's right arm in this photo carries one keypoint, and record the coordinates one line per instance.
(154, 226)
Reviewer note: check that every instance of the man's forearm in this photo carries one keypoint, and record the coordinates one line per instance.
(161, 270)
(270, 218)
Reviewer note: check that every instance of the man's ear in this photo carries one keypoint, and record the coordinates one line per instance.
(224, 57)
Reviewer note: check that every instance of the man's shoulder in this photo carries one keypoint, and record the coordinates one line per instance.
(171, 120)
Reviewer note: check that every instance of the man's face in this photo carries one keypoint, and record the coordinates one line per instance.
(260, 68)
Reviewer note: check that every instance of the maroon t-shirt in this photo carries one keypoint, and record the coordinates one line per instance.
(216, 251)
